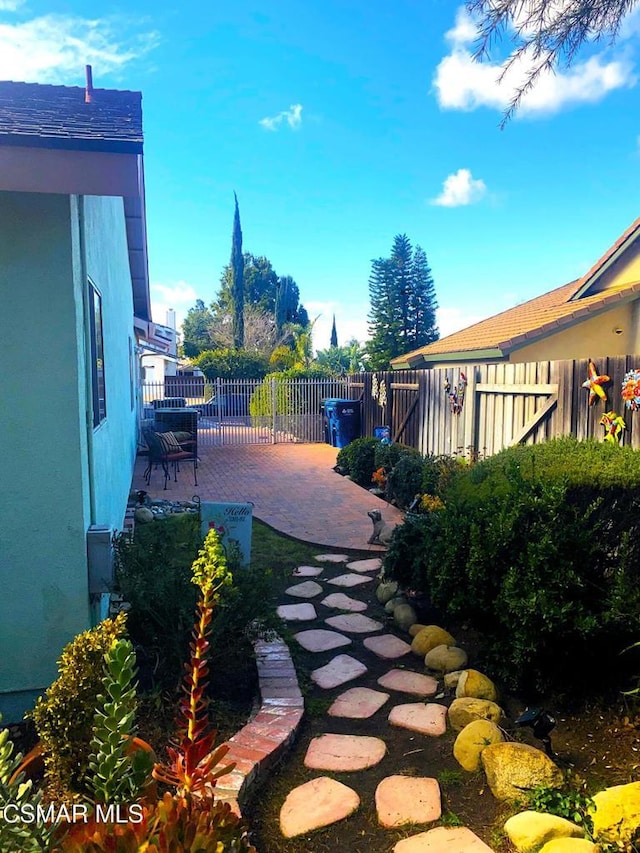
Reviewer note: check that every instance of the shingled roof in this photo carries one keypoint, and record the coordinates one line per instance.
(496, 336)
(46, 116)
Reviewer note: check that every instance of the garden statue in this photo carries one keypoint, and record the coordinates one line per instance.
(381, 530)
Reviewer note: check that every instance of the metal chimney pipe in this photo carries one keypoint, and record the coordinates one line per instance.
(88, 92)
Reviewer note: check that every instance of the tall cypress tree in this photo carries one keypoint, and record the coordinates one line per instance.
(403, 303)
(237, 280)
(334, 334)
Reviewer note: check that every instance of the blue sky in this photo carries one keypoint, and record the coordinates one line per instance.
(341, 123)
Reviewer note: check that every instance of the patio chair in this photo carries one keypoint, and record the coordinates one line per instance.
(164, 448)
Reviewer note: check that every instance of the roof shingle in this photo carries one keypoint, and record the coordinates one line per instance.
(35, 114)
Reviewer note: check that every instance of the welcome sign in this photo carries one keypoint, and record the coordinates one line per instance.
(233, 523)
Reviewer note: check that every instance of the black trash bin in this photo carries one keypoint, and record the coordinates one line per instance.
(341, 421)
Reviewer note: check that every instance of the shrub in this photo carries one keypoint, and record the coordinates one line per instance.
(405, 560)
(357, 460)
(291, 398)
(539, 547)
(404, 481)
(438, 471)
(64, 715)
(231, 363)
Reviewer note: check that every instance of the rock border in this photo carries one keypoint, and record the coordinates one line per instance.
(271, 732)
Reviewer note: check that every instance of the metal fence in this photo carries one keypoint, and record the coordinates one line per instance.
(249, 411)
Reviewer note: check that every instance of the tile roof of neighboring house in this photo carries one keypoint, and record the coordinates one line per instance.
(35, 114)
(535, 318)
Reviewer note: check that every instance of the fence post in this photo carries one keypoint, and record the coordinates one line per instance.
(273, 410)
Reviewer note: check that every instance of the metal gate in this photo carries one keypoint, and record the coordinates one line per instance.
(250, 411)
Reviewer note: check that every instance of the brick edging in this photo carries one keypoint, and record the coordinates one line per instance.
(257, 746)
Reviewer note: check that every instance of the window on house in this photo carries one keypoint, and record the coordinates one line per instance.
(97, 356)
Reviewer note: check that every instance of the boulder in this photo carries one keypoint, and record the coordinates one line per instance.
(446, 659)
(514, 768)
(474, 683)
(451, 679)
(617, 813)
(404, 616)
(415, 629)
(570, 845)
(429, 638)
(394, 602)
(386, 590)
(143, 514)
(467, 709)
(530, 830)
(472, 740)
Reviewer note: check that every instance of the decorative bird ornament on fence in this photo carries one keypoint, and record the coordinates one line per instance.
(594, 384)
(613, 425)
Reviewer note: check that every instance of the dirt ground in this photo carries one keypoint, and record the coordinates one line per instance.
(598, 744)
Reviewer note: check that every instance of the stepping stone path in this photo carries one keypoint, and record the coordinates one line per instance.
(387, 646)
(442, 839)
(307, 572)
(355, 623)
(331, 558)
(409, 682)
(349, 580)
(344, 753)
(371, 565)
(317, 803)
(407, 799)
(400, 801)
(318, 640)
(340, 601)
(417, 717)
(308, 589)
(358, 703)
(297, 612)
(338, 671)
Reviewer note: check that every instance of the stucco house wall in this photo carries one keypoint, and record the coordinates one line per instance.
(43, 580)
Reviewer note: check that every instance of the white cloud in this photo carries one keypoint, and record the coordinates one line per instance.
(54, 48)
(351, 322)
(10, 5)
(180, 296)
(463, 83)
(292, 117)
(459, 189)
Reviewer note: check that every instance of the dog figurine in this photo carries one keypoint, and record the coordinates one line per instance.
(381, 530)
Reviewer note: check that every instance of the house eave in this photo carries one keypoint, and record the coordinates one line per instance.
(466, 356)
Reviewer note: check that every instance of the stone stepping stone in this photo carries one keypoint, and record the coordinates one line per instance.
(308, 589)
(297, 612)
(349, 580)
(356, 623)
(343, 753)
(307, 572)
(371, 565)
(387, 646)
(409, 682)
(319, 640)
(428, 719)
(331, 558)
(358, 703)
(315, 804)
(407, 799)
(443, 839)
(340, 601)
(338, 671)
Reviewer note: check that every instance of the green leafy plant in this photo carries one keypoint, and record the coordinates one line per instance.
(404, 481)
(64, 715)
(118, 774)
(569, 803)
(193, 765)
(406, 557)
(18, 836)
(357, 460)
(450, 819)
(175, 824)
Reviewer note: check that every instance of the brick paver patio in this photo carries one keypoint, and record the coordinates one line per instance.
(292, 486)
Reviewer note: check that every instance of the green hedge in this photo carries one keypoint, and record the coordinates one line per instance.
(357, 460)
(539, 549)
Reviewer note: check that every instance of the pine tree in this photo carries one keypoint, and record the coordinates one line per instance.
(334, 334)
(403, 303)
(237, 273)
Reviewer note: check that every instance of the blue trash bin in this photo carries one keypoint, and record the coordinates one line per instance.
(341, 421)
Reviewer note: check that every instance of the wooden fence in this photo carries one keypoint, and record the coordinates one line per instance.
(503, 404)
